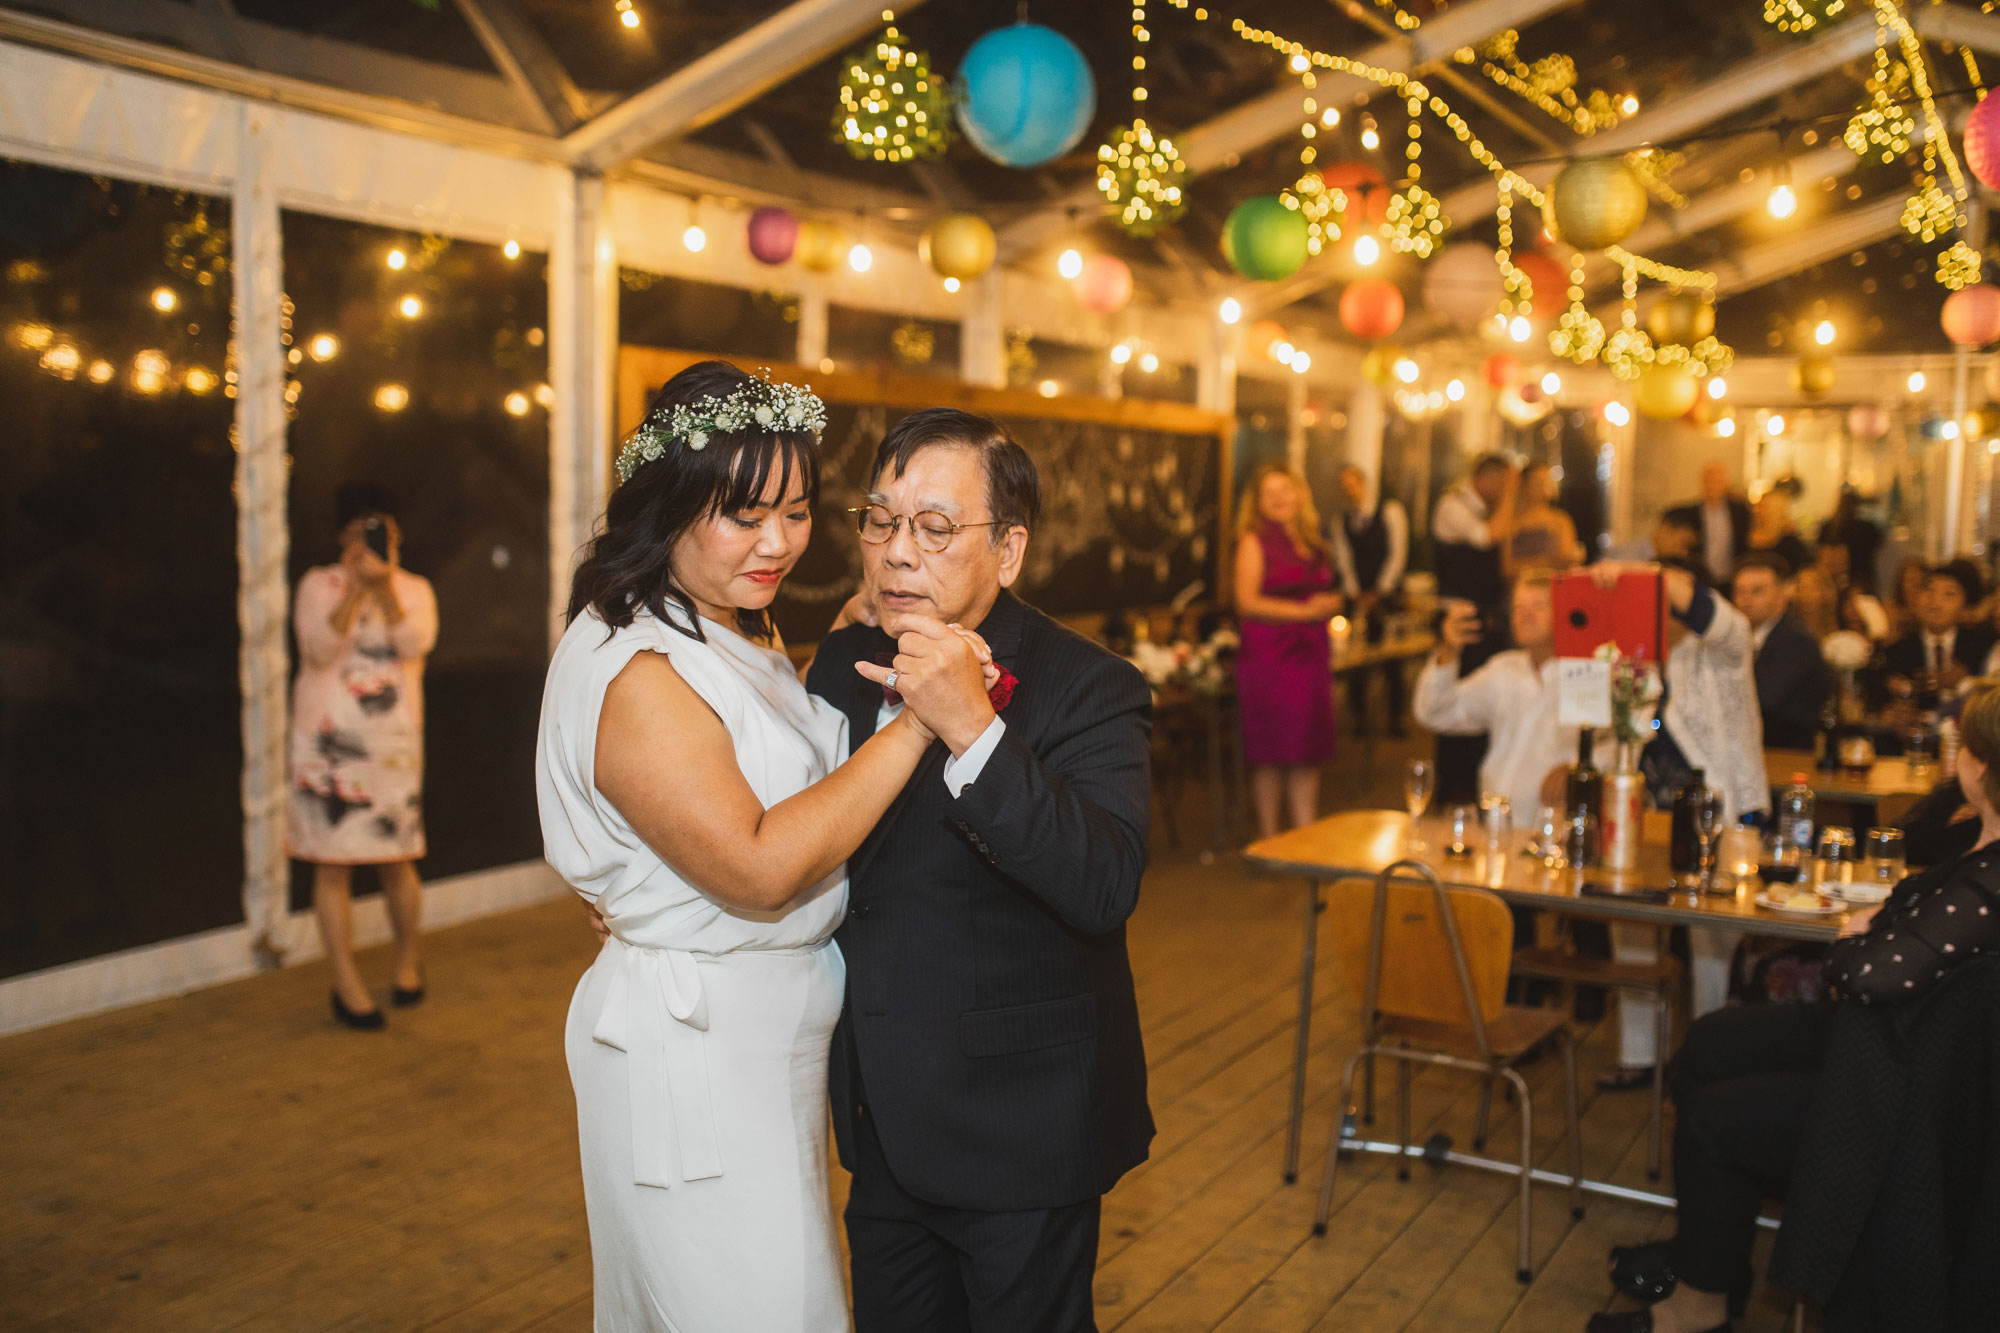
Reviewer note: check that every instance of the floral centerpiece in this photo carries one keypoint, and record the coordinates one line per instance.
(1635, 692)
(1847, 652)
(1198, 668)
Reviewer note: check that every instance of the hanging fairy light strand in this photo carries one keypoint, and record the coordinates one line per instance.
(1139, 170)
(893, 106)
(1414, 219)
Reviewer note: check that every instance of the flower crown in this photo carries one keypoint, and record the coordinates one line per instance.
(758, 404)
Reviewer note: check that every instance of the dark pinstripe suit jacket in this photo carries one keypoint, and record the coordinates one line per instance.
(990, 1024)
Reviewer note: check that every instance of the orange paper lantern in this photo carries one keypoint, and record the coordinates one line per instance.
(1551, 283)
(1371, 308)
(1261, 337)
(1367, 193)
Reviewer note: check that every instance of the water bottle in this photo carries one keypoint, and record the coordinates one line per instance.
(1795, 815)
(1948, 743)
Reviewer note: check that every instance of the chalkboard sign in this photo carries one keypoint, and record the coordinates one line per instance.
(1135, 493)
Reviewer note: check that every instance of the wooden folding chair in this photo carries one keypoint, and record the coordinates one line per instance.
(1436, 993)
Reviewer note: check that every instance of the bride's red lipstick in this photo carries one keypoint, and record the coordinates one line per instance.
(765, 576)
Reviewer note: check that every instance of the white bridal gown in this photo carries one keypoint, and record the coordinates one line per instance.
(697, 1041)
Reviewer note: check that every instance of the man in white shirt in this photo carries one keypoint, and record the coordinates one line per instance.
(1371, 549)
(1512, 698)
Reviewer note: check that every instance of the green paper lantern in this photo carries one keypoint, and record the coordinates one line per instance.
(1264, 239)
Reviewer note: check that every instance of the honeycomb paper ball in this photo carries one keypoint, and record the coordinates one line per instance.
(773, 235)
(1971, 315)
(1105, 284)
(821, 246)
(1666, 392)
(1025, 95)
(960, 246)
(1595, 202)
(1463, 285)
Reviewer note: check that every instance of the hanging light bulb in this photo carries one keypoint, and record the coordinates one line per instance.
(1949, 430)
(1726, 427)
(1823, 333)
(951, 284)
(1121, 353)
(1300, 64)
(1774, 425)
(1407, 371)
(1630, 106)
(1916, 381)
(1552, 384)
(1149, 362)
(1369, 138)
(1717, 387)
(1071, 263)
(1230, 310)
(1519, 329)
(1282, 352)
(1301, 362)
(164, 299)
(694, 238)
(409, 307)
(1782, 202)
(861, 258)
(1615, 413)
(1330, 117)
(1455, 390)
(512, 249)
(396, 260)
(1366, 250)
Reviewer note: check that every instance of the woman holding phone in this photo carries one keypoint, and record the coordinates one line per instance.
(364, 627)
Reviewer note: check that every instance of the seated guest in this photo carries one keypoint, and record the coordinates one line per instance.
(1857, 608)
(1815, 602)
(1511, 697)
(1791, 674)
(1907, 591)
(1744, 1082)
(1708, 720)
(1940, 645)
(1774, 530)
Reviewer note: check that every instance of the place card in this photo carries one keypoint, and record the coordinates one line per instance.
(1583, 692)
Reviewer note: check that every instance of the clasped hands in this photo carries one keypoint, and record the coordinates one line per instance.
(943, 673)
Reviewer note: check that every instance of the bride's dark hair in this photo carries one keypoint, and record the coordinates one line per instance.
(628, 565)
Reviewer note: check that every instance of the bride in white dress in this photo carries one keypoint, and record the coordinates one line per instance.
(693, 793)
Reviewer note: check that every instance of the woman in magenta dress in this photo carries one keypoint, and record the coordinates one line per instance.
(1284, 671)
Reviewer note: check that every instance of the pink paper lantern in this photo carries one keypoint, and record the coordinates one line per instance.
(1371, 308)
(1971, 315)
(1105, 284)
(1982, 142)
(774, 234)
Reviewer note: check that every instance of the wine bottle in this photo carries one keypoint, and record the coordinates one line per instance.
(1826, 740)
(1684, 849)
(1583, 795)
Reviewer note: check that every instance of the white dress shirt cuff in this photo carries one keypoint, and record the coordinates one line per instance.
(963, 770)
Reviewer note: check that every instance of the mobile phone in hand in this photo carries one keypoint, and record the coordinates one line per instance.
(375, 536)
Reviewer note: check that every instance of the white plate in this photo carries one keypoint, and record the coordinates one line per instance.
(1781, 905)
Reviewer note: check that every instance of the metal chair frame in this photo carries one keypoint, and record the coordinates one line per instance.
(1488, 1065)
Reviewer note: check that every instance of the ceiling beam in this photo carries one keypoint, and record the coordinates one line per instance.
(1276, 115)
(732, 75)
(1828, 238)
(518, 51)
(1741, 86)
(1954, 23)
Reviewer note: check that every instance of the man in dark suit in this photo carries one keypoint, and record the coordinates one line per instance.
(987, 1078)
(1940, 645)
(1791, 672)
(1722, 520)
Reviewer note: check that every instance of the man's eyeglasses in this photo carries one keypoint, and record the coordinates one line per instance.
(930, 530)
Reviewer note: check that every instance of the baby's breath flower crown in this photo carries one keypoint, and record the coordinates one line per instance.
(759, 404)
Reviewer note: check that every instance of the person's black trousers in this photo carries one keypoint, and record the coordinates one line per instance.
(1742, 1084)
(921, 1268)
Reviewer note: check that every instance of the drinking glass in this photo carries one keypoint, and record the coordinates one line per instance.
(1496, 812)
(1464, 822)
(1835, 862)
(1886, 865)
(1920, 752)
(1707, 812)
(1419, 780)
(1782, 863)
(1742, 846)
(1548, 836)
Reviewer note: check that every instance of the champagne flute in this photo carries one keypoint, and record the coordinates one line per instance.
(1418, 782)
(1707, 829)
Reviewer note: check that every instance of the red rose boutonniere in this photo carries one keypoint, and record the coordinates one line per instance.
(1002, 692)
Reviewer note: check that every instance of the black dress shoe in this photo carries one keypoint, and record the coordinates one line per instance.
(404, 998)
(1634, 1321)
(1644, 1272)
(370, 1021)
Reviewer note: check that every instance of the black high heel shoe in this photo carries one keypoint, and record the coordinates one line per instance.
(404, 998)
(371, 1021)
(1634, 1321)
(1646, 1273)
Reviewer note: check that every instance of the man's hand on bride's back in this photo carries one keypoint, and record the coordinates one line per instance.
(940, 672)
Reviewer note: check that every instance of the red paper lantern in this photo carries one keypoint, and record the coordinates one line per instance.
(1551, 283)
(1502, 369)
(1367, 193)
(774, 234)
(1105, 284)
(1971, 315)
(1371, 308)
(1982, 142)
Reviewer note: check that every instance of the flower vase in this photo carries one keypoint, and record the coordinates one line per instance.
(1624, 810)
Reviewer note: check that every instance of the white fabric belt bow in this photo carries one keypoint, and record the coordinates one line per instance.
(657, 1013)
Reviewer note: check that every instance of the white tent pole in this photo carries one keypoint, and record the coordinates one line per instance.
(583, 354)
(262, 536)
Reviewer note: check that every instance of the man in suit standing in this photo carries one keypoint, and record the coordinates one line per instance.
(1791, 672)
(1723, 520)
(987, 1079)
(1941, 647)
(1371, 548)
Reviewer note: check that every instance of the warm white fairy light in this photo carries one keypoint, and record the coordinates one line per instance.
(396, 260)
(1149, 362)
(1455, 390)
(1230, 310)
(1718, 387)
(1366, 250)
(512, 249)
(164, 299)
(1616, 413)
(1121, 353)
(1824, 333)
(694, 238)
(1407, 370)
(861, 259)
(1726, 427)
(1301, 362)
(1071, 263)
(410, 307)
(1552, 383)
(1916, 381)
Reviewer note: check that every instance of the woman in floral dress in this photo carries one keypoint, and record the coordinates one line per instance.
(364, 627)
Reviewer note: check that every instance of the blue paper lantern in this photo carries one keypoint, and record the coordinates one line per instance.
(1025, 95)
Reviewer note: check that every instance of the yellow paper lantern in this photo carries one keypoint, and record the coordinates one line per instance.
(821, 246)
(1379, 366)
(1261, 337)
(1595, 202)
(1684, 318)
(1813, 375)
(959, 245)
(1666, 392)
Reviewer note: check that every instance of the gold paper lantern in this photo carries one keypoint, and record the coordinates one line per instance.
(1379, 366)
(821, 246)
(1595, 202)
(959, 245)
(1683, 318)
(1666, 392)
(1813, 375)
